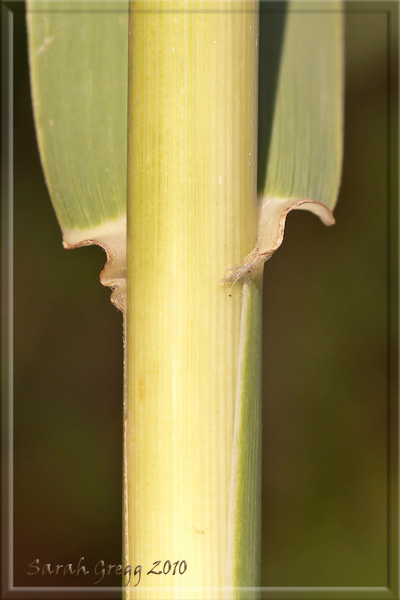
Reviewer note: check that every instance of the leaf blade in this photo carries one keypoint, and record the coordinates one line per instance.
(80, 106)
(304, 154)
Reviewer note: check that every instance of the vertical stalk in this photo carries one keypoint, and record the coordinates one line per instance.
(192, 214)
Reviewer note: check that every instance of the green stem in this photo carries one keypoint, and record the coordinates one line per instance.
(244, 525)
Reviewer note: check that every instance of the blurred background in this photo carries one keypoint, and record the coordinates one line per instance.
(325, 369)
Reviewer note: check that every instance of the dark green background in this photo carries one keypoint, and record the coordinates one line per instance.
(325, 434)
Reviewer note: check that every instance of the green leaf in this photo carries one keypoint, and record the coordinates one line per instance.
(79, 57)
(300, 124)
(78, 54)
(304, 155)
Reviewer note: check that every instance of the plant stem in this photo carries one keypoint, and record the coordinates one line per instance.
(192, 214)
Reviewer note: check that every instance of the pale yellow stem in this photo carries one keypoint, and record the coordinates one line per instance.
(192, 214)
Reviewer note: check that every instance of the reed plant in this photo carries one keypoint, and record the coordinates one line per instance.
(177, 135)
